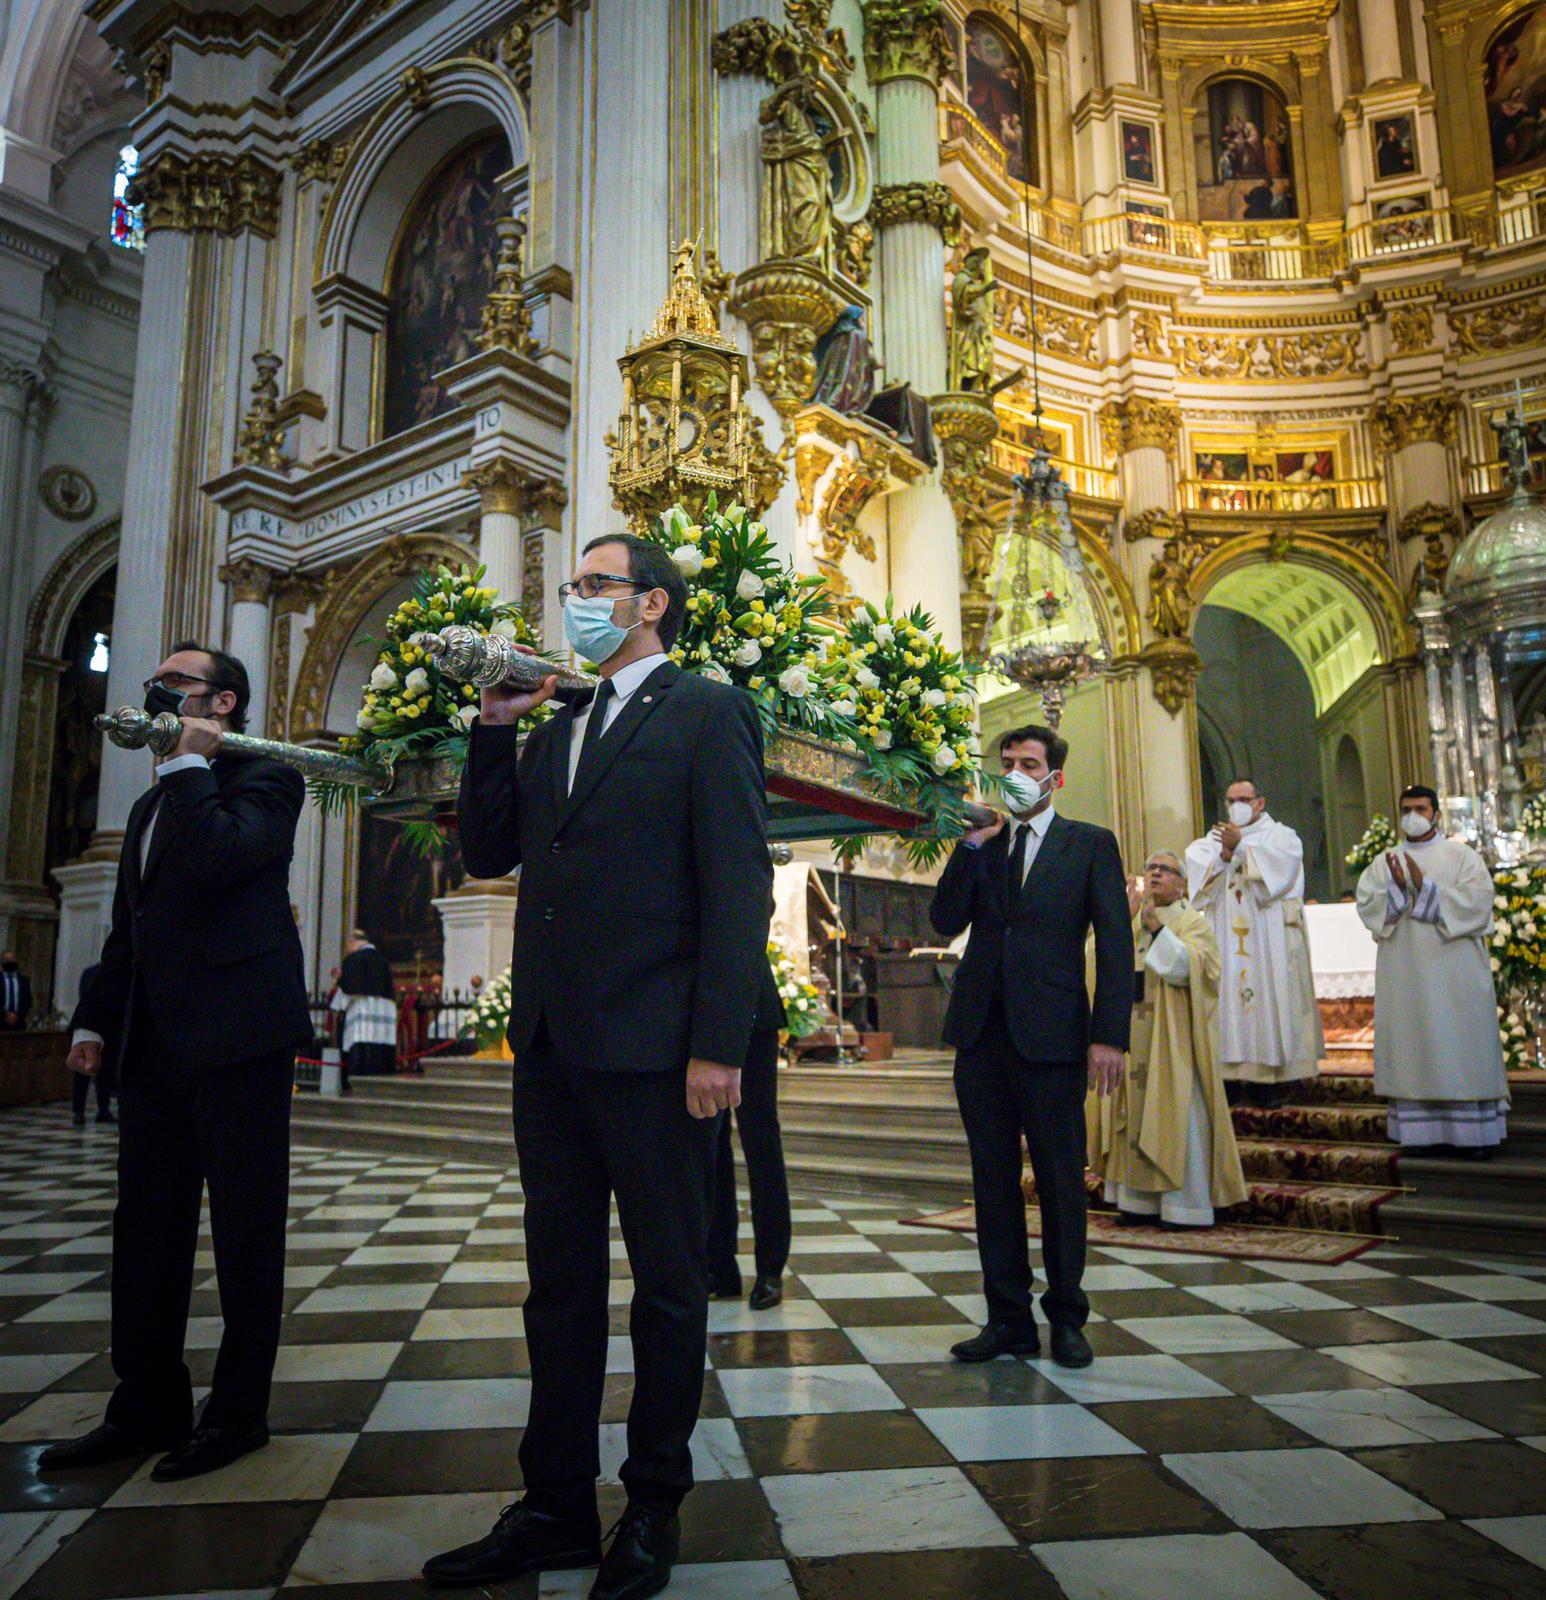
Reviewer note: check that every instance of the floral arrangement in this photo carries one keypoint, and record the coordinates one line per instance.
(749, 616)
(1532, 820)
(1518, 953)
(911, 702)
(1378, 837)
(491, 1014)
(802, 999)
(1518, 1046)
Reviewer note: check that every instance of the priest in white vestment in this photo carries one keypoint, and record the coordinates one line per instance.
(1163, 1143)
(1247, 878)
(1437, 1056)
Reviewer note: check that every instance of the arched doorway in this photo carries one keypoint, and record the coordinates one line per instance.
(77, 746)
(1296, 694)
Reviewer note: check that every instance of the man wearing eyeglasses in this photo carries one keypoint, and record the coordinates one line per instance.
(201, 994)
(638, 820)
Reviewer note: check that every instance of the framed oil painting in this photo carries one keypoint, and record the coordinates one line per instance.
(441, 276)
(1245, 157)
(996, 91)
(1395, 147)
(1138, 159)
(1514, 87)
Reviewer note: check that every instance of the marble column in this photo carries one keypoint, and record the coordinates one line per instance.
(1118, 42)
(247, 632)
(501, 486)
(906, 54)
(1418, 437)
(1381, 40)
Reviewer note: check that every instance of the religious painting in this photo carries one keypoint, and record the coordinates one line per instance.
(440, 279)
(1306, 466)
(396, 890)
(1222, 466)
(1402, 222)
(953, 33)
(1395, 147)
(998, 94)
(1144, 235)
(1514, 85)
(1138, 164)
(1244, 154)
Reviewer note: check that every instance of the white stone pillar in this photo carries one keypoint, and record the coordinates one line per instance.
(247, 633)
(1381, 40)
(906, 52)
(1118, 42)
(85, 915)
(1418, 437)
(479, 936)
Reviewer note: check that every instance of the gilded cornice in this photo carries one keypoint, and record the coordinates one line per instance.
(1058, 332)
(1405, 420)
(1140, 422)
(209, 193)
(929, 202)
(906, 39)
(1262, 358)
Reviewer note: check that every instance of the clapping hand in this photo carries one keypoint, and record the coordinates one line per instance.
(1417, 875)
(1151, 918)
(1229, 838)
(1134, 895)
(1393, 861)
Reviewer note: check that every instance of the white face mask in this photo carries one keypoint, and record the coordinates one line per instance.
(1240, 813)
(1414, 824)
(1023, 792)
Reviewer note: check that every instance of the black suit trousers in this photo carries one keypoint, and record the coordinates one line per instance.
(582, 1136)
(1003, 1095)
(80, 1087)
(182, 1125)
(763, 1147)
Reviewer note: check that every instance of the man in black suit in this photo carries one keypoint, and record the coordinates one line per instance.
(1028, 1043)
(15, 994)
(202, 993)
(106, 1076)
(638, 820)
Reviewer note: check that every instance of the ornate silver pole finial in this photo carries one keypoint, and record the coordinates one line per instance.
(466, 656)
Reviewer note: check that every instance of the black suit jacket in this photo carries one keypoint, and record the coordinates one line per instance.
(641, 924)
(205, 936)
(23, 1003)
(1029, 947)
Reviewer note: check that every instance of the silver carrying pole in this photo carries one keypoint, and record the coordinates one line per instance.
(485, 659)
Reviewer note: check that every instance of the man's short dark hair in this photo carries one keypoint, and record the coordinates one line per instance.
(651, 565)
(1053, 745)
(225, 672)
(1421, 791)
(1255, 786)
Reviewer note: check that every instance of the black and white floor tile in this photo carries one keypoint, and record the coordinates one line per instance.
(1372, 1431)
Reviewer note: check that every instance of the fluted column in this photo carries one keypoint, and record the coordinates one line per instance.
(1417, 437)
(247, 634)
(1381, 40)
(906, 51)
(500, 485)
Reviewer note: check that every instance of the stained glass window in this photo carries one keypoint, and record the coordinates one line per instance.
(128, 220)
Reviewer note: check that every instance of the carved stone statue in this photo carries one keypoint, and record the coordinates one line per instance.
(796, 223)
(1513, 449)
(1170, 600)
(845, 364)
(971, 324)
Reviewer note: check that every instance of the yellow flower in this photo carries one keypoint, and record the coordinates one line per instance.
(470, 690)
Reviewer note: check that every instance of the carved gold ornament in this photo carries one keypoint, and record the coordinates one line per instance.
(929, 202)
(1170, 595)
(1411, 329)
(320, 161)
(1058, 332)
(261, 441)
(1174, 668)
(1500, 327)
(1428, 521)
(1149, 333)
(250, 582)
(213, 194)
(1270, 358)
(1139, 422)
(906, 39)
(966, 424)
(502, 485)
(787, 305)
(506, 322)
(1406, 420)
(808, 46)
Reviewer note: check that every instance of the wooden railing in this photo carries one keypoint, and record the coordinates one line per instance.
(1337, 494)
(1100, 483)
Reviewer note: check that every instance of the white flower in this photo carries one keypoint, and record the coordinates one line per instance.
(749, 654)
(944, 759)
(383, 677)
(881, 738)
(821, 647)
(884, 633)
(1495, 964)
(749, 586)
(935, 697)
(688, 559)
(363, 719)
(867, 679)
(844, 707)
(715, 673)
(504, 628)
(417, 681)
(796, 681)
(467, 715)
(1503, 925)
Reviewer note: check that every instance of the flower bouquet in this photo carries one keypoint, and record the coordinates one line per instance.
(1532, 819)
(802, 999)
(491, 1015)
(1378, 837)
(1518, 957)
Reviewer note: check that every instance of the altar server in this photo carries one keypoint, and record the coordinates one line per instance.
(1437, 1057)
(1247, 879)
(367, 997)
(1164, 1142)
(639, 822)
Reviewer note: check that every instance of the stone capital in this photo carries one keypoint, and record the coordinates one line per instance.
(1404, 420)
(1140, 422)
(250, 582)
(208, 193)
(906, 39)
(503, 485)
(1428, 520)
(1174, 668)
(927, 202)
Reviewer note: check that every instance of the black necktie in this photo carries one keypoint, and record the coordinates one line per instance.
(1016, 868)
(595, 722)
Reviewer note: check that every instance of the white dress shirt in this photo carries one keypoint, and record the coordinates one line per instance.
(1038, 826)
(625, 683)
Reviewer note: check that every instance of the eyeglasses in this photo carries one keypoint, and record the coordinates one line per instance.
(591, 585)
(174, 680)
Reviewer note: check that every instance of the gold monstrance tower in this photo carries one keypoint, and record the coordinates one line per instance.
(683, 430)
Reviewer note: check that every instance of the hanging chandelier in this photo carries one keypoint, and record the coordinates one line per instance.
(1041, 521)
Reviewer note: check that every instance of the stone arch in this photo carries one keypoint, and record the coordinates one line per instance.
(436, 110)
(66, 582)
(349, 594)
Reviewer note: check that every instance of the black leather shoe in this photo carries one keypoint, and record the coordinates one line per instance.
(1070, 1348)
(642, 1554)
(766, 1293)
(208, 1450)
(998, 1339)
(523, 1540)
(1136, 1219)
(726, 1288)
(108, 1442)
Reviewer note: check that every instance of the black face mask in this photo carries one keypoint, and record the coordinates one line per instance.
(9, 966)
(159, 698)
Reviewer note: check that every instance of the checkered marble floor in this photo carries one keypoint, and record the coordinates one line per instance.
(1370, 1432)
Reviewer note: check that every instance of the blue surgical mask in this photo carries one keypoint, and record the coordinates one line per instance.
(590, 630)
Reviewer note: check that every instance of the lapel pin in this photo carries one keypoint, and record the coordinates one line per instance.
(648, 699)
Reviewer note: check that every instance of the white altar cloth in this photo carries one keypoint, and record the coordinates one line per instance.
(1341, 952)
